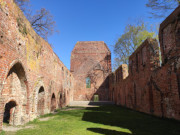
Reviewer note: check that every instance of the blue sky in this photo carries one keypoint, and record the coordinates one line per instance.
(90, 20)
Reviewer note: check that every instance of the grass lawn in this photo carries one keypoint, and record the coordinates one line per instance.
(105, 120)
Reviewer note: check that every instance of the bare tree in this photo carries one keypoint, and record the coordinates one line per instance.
(22, 4)
(42, 21)
(160, 8)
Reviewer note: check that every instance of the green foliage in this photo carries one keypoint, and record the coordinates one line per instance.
(132, 38)
(142, 35)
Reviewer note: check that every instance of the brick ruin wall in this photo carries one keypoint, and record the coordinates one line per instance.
(33, 81)
(146, 86)
(91, 59)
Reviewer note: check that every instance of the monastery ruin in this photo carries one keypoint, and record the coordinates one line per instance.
(34, 81)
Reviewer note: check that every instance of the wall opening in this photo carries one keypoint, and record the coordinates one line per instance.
(131, 65)
(88, 82)
(112, 95)
(60, 100)
(40, 106)
(151, 104)
(178, 82)
(53, 103)
(64, 98)
(135, 100)
(96, 98)
(9, 112)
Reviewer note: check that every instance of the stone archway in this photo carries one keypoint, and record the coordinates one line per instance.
(15, 86)
(10, 113)
(38, 100)
(53, 103)
(41, 101)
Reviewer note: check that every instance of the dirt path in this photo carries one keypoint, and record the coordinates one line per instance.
(8, 128)
(45, 119)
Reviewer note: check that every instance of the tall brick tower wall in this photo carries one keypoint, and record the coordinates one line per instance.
(146, 86)
(33, 81)
(91, 60)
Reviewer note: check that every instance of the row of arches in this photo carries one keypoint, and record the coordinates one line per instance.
(17, 101)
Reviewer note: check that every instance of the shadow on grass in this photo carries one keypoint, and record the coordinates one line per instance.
(106, 131)
(137, 123)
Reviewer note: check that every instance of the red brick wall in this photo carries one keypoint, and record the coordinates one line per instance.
(27, 63)
(149, 87)
(91, 59)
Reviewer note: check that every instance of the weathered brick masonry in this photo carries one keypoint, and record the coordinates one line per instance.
(146, 86)
(91, 60)
(33, 81)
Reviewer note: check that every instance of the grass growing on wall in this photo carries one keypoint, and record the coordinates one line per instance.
(105, 120)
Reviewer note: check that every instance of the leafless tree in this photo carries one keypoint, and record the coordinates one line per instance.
(160, 8)
(42, 21)
(22, 4)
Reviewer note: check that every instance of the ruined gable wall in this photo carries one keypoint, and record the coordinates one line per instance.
(23, 51)
(91, 59)
(149, 87)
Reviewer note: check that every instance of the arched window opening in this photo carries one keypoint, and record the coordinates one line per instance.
(9, 112)
(60, 100)
(18, 70)
(40, 106)
(41, 90)
(53, 103)
(88, 82)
